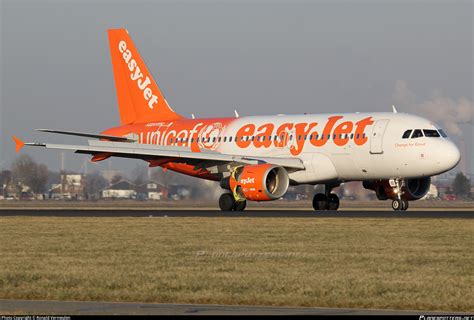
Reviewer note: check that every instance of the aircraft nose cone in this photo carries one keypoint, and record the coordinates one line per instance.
(450, 156)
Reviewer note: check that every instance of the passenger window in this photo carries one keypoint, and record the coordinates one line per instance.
(230, 139)
(417, 134)
(406, 134)
(431, 133)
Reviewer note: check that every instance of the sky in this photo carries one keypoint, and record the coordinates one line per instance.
(211, 57)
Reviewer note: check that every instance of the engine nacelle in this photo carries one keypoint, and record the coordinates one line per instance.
(412, 189)
(261, 182)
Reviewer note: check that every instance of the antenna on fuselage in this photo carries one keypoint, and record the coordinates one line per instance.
(192, 116)
(394, 109)
(236, 113)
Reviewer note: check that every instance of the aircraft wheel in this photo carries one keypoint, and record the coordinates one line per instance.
(227, 202)
(320, 201)
(333, 202)
(404, 205)
(240, 205)
(397, 204)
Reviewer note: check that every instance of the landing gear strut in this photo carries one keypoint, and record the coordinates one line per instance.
(327, 201)
(228, 203)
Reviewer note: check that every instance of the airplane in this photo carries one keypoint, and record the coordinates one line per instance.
(256, 158)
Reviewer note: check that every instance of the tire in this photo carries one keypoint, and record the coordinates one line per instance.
(333, 202)
(320, 202)
(240, 205)
(404, 205)
(227, 202)
(397, 205)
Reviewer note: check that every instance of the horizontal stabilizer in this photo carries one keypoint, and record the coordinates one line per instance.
(18, 144)
(89, 135)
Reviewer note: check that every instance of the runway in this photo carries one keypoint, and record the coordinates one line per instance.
(130, 308)
(248, 213)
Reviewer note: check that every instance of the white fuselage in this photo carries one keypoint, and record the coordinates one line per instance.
(384, 155)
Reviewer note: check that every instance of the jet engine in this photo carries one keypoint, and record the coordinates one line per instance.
(412, 189)
(262, 182)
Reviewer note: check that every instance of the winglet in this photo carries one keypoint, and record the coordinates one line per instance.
(19, 144)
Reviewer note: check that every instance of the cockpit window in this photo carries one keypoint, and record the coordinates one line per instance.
(417, 134)
(406, 134)
(442, 133)
(431, 133)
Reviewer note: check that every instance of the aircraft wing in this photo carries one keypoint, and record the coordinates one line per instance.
(88, 135)
(178, 154)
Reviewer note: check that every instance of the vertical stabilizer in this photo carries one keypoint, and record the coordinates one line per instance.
(139, 98)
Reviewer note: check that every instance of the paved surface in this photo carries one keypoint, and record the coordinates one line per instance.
(72, 307)
(249, 213)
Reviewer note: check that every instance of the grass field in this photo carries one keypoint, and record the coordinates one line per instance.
(326, 262)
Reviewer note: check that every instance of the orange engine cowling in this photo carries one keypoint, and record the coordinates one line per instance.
(261, 182)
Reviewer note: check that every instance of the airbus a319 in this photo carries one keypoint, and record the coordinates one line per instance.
(257, 158)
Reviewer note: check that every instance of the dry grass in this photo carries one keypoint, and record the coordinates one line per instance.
(326, 262)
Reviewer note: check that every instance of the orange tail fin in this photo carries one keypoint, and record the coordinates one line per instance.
(139, 97)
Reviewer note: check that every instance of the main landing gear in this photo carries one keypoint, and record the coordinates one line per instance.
(326, 201)
(227, 203)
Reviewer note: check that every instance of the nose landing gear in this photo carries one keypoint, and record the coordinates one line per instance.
(400, 205)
